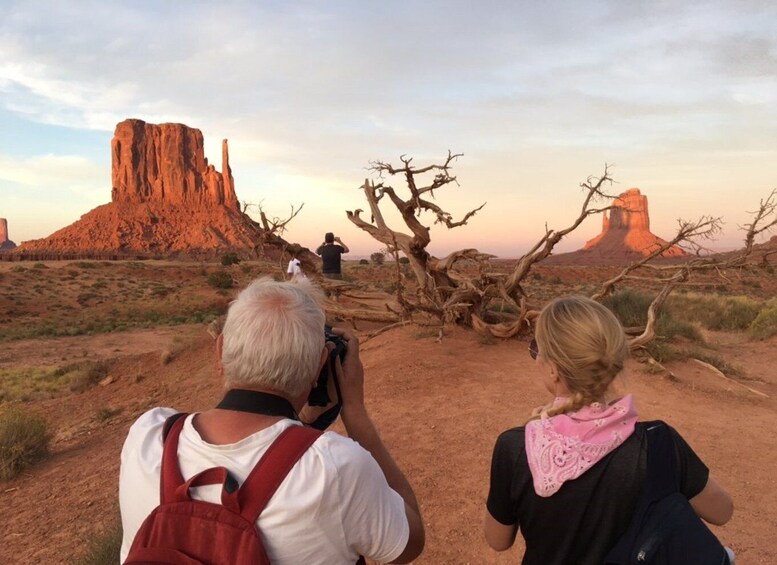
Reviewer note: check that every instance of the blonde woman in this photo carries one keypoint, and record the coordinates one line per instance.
(571, 478)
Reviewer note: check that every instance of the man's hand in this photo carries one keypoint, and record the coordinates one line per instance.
(350, 374)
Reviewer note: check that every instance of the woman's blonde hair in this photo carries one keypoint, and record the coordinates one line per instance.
(587, 344)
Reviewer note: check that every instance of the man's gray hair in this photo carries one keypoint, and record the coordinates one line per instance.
(274, 336)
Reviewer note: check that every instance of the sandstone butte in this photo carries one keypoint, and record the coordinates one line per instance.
(625, 235)
(166, 200)
(5, 243)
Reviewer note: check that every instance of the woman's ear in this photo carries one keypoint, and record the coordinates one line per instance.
(559, 384)
(554, 372)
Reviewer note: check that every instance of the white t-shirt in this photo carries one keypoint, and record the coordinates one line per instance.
(295, 269)
(333, 506)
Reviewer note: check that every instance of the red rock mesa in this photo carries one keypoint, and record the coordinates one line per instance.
(5, 243)
(166, 163)
(625, 235)
(166, 199)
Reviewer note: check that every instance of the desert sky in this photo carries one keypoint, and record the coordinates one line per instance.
(679, 97)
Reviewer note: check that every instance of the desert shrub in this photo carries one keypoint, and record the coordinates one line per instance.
(390, 288)
(18, 269)
(715, 312)
(220, 279)
(378, 257)
(85, 264)
(230, 259)
(669, 326)
(166, 356)
(24, 439)
(716, 362)
(662, 351)
(363, 262)
(39, 266)
(160, 290)
(423, 332)
(105, 414)
(404, 261)
(247, 269)
(486, 339)
(765, 323)
(630, 306)
(85, 374)
(104, 547)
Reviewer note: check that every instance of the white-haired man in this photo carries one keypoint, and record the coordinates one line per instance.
(342, 499)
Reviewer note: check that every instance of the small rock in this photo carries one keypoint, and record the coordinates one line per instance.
(107, 380)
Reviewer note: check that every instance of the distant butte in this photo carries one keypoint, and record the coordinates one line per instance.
(625, 235)
(166, 200)
(5, 243)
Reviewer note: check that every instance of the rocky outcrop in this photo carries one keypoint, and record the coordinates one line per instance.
(166, 163)
(625, 236)
(5, 243)
(166, 201)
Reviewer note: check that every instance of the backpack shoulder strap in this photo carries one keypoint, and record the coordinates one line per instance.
(273, 467)
(661, 476)
(169, 423)
(170, 476)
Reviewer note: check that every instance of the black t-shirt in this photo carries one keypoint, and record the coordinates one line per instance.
(330, 254)
(582, 521)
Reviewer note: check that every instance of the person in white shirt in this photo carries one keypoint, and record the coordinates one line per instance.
(294, 270)
(345, 497)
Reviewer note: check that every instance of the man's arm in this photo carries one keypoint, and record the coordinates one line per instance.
(362, 430)
(343, 245)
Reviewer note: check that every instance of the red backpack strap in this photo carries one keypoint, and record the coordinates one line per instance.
(171, 477)
(273, 467)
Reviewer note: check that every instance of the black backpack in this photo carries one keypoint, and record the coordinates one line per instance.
(665, 528)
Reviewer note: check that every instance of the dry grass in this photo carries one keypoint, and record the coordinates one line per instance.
(104, 547)
(715, 312)
(29, 383)
(24, 439)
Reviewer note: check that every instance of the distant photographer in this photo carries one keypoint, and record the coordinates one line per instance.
(342, 499)
(330, 252)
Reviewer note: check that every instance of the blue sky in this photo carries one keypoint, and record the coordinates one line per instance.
(681, 97)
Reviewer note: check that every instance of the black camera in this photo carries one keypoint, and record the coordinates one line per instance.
(319, 396)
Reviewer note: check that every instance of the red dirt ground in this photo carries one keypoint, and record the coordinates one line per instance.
(439, 407)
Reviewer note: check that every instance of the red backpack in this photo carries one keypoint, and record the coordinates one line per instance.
(182, 531)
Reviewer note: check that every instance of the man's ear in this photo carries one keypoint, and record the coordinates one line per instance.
(219, 350)
(324, 358)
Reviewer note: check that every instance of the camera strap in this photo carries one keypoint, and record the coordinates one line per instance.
(256, 402)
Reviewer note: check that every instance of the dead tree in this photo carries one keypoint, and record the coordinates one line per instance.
(451, 295)
(440, 292)
(510, 290)
(269, 230)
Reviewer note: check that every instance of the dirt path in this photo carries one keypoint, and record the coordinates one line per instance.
(439, 407)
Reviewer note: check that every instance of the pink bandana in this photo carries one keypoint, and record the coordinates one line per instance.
(563, 447)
